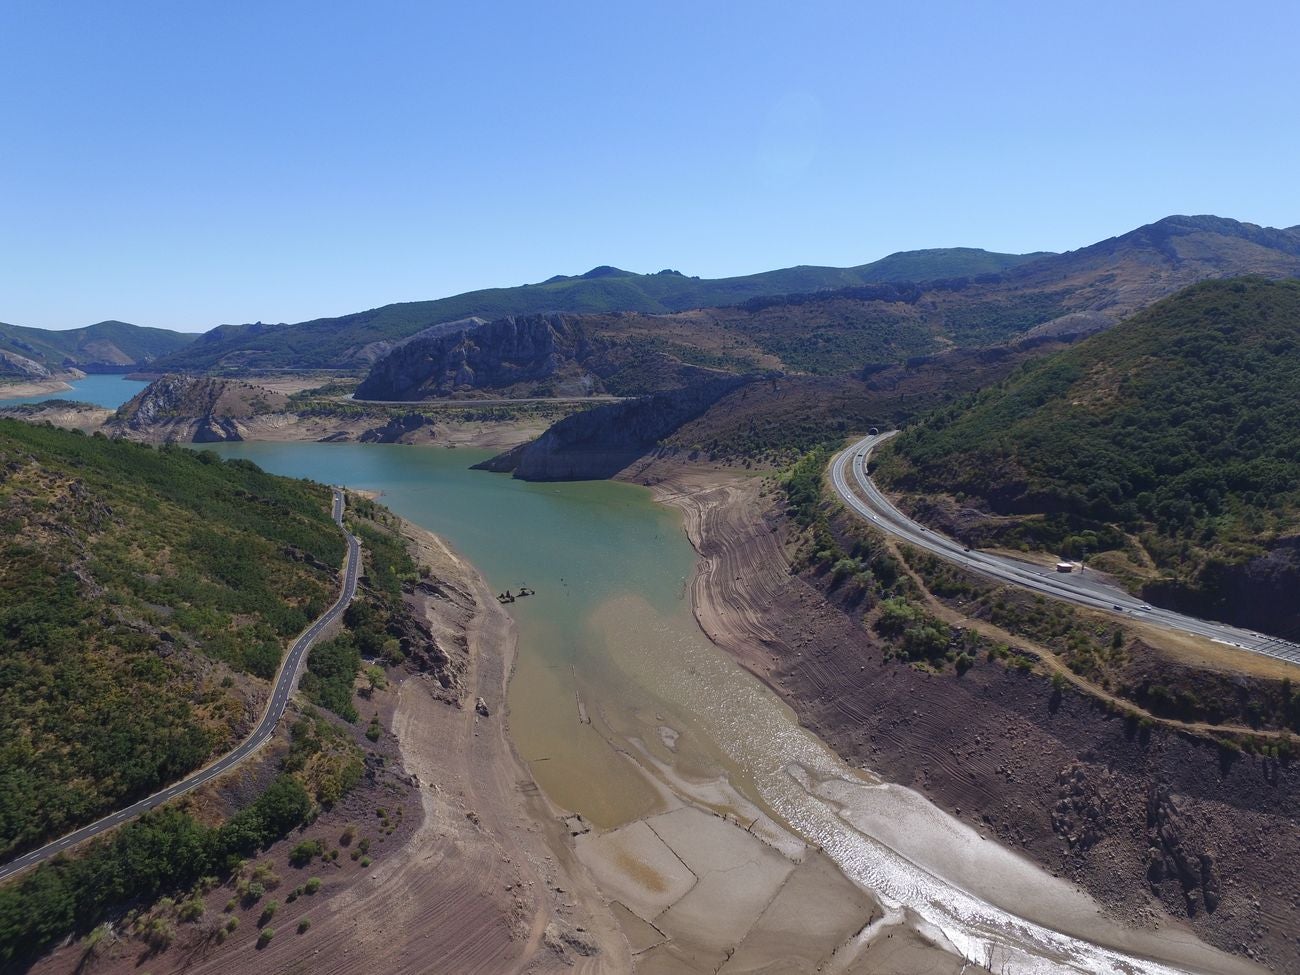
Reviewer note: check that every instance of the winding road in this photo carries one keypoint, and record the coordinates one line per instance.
(284, 685)
(849, 476)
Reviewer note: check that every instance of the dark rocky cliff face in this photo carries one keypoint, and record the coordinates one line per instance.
(1262, 593)
(602, 441)
(502, 355)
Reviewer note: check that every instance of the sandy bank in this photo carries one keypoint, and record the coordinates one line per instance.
(42, 387)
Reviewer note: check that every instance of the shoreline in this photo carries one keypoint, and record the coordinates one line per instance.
(499, 845)
(742, 573)
(484, 434)
(29, 387)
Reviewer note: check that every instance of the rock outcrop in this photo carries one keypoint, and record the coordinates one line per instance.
(14, 365)
(1175, 858)
(510, 355)
(1258, 594)
(600, 442)
(194, 409)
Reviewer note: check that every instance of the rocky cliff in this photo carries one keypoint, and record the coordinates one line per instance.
(524, 355)
(193, 409)
(600, 442)
(15, 366)
(1259, 593)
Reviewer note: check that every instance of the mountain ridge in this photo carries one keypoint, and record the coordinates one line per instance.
(107, 346)
(358, 338)
(976, 297)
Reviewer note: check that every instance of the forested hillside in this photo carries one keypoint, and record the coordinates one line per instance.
(814, 319)
(1172, 440)
(351, 341)
(147, 595)
(102, 347)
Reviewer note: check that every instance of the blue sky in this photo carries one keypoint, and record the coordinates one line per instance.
(188, 164)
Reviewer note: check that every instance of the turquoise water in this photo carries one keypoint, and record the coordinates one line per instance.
(109, 391)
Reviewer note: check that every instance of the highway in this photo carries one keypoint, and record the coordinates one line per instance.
(849, 476)
(284, 685)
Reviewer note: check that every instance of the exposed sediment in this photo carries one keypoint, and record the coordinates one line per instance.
(488, 882)
(1165, 833)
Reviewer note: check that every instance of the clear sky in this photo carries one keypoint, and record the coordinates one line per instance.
(184, 164)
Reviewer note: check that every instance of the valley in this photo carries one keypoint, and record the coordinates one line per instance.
(680, 736)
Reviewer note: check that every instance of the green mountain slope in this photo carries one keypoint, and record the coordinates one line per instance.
(967, 297)
(148, 594)
(102, 347)
(340, 342)
(1170, 442)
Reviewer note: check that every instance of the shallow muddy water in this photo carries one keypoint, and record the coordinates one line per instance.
(619, 702)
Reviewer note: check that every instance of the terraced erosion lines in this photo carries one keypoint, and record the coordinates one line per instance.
(1082, 589)
(284, 685)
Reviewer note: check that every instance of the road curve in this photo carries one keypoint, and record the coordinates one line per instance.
(284, 685)
(849, 475)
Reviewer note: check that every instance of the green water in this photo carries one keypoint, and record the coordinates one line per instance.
(611, 570)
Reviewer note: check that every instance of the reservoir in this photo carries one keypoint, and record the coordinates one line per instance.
(109, 391)
(618, 699)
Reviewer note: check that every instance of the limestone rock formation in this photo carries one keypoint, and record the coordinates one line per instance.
(195, 409)
(509, 354)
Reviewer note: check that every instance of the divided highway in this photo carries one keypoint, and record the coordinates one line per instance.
(859, 492)
(285, 682)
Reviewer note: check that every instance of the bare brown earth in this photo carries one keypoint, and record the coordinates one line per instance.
(87, 419)
(1163, 828)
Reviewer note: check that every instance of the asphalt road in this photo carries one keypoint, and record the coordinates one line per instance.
(1083, 588)
(284, 685)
